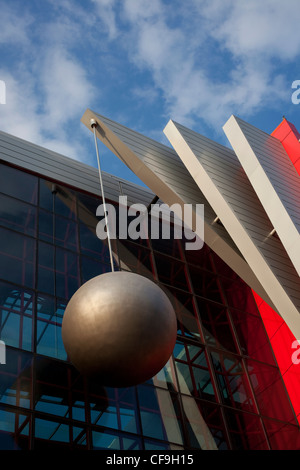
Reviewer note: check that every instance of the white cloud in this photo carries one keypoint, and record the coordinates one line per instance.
(269, 28)
(106, 11)
(179, 45)
(66, 88)
(14, 28)
(47, 88)
(202, 59)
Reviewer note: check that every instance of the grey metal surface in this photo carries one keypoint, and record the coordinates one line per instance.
(57, 167)
(219, 174)
(160, 168)
(274, 179)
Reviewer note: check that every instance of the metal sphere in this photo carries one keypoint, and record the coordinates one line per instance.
(119, 327)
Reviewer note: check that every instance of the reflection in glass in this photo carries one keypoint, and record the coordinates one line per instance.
(17, 258)
(51, 430)
(270, 393)
(252, 336)
(14, 429)
(67, 273)
(16, 308)
(49, 321)
(46, 276)
(233, 382)
(18, 184)
(204, 425)
(187, 318)
(91, 268)
(216, 323)
(17, 215)
(193, 373)
(171, 271)
(205, 284)
(136, 258)
(246, 432)
(160, 414)
(108, 440)
(66, 234)
(239, 295)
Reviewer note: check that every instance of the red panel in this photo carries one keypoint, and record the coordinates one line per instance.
(281, 339)
(289, 137)
(280, 335)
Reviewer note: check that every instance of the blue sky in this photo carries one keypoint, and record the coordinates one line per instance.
(143, 62)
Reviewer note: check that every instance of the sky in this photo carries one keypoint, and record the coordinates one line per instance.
(143, 62)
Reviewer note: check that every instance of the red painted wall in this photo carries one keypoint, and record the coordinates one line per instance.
(281, 337)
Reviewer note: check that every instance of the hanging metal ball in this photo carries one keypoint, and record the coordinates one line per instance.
(119, 327)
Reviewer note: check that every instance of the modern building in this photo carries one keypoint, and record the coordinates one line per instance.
(232, 382)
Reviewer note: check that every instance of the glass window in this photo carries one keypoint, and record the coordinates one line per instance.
(166, 377)
(200, 258)
(79, 437)
(151, 444)
(17, 215)
(17, 258)
(171, 246)
(18, 184)
(46, 277)
(171, 271)
(46, 226)
(116, 409)
(51, 400)
(49, 320)
(65, 202)
(205, 284)
(51, 430)
(87, 207)
(245, 430)
(105, 440)
(239, 295)
(46, 196)
(160, 414)
(252, 336)
(282, 436)
(92, 246)
(232, 380)
(204, 424)
(108, 440)
(67, 273)
(187, 318)
(15, 379)
(56, 198)
(136, 258)
(16, 308)
(221, 267)
(269, 391)
(52, 372)
(91, 268)
(216, 326)
(14, 430)
(66, 234)
(193, 373)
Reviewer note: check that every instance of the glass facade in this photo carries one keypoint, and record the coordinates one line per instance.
(221, 389)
